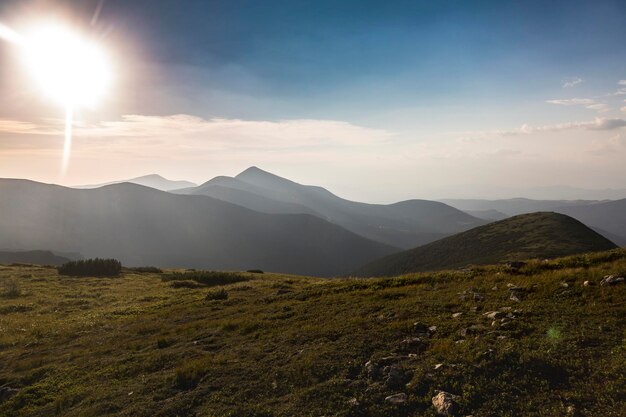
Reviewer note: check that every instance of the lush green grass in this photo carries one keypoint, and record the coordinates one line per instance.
(534, 235)
(284, 345)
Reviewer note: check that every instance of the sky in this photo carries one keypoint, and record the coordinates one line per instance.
(376, 101)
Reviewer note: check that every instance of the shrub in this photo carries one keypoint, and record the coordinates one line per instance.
(12, 289)
(91, 268)
(184, 284)
(190, 374)
(255, 271)
(146, 269)
(208, 278)
(220, 294)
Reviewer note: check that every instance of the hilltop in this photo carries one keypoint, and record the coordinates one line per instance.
(279, 345)
(535, 235)
(404, 224)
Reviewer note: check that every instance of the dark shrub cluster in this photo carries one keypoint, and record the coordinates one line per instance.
(146, 269)
(220, 294)
(208, 278)
(255, 271)
(91, 268)
(185, 284)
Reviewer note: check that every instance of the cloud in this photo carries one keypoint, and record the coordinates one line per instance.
(192, 136)
(571, 82)
(586, 102)
(22, 128)
(609, 146)
(621, 82)
(572, 102)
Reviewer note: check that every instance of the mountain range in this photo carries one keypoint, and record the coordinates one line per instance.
(404, 224)
(143, 226)
(526, 236)
(152, 181)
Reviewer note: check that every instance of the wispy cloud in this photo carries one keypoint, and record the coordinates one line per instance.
(621, 82)
(571, 82)
(186, 134)
(585, 102)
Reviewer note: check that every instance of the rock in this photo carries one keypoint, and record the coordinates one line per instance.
(7, 392)
(439, 365)
(432, 329)
(353, 402)
(457, 315)
(564, 285)
(394, 377)
(493, 315)
(611, 280)
(588, 283)
(412, 345)
(372, 369)
(396, 398)
(419, 327)
(515, 265)
(478, 297)
(445, 403)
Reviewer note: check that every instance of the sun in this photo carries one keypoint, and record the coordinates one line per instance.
(70, 70)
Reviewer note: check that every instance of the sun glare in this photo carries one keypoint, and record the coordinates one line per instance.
(70, 70)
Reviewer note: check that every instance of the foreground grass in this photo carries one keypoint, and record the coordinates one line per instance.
(294, 346)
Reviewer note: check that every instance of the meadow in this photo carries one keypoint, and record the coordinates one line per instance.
(142, 344)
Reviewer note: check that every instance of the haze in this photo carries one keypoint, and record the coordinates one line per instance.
(377, 102)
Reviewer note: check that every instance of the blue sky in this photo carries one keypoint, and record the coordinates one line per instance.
(439, 84)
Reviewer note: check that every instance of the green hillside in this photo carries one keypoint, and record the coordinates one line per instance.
(527, 236)
(148, 344)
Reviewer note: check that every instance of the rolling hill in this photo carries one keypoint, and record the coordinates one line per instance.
(39, 257)
(608, 218)
(404, 224)
(144, 226)
(152, 181)
(535, 235)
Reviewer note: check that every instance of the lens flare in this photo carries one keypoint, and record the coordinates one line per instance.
(70, 69)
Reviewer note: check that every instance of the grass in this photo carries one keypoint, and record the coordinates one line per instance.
(285, 345)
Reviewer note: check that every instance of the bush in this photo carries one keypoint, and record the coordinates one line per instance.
(91, 268)
(208, 278)
(12, 289)
(146, 269)
(184, 284)
(255, 271)
(220, 294)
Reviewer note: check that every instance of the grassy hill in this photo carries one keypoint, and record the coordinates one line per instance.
(535, 235)
(278, 345)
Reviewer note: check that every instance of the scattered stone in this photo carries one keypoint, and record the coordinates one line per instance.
(493, 315)
(509, 285)
(501, 337)
(564, 285)
(372, 369)
(445, 403)
(412, 345)
(432, 329)
(396, 398)
(439, 365)
(7, 392)
(394, 377)
(611, 280)
(459, 342)
(588, 283)
(353, 402)
(457, 315)
(494, 288)
(419, 327)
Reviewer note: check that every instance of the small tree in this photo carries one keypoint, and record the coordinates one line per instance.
(91, 268)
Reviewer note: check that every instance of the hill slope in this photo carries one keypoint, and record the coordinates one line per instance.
(404, 224)
(39, 257)
(608, 216)
(535, 235)
(144, 226)
(152, 181)
(282, 346)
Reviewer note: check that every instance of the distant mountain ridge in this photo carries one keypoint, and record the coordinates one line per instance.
(404, 224)
(38, 257)
(535, 235)
(152, 181)
(143, 226)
